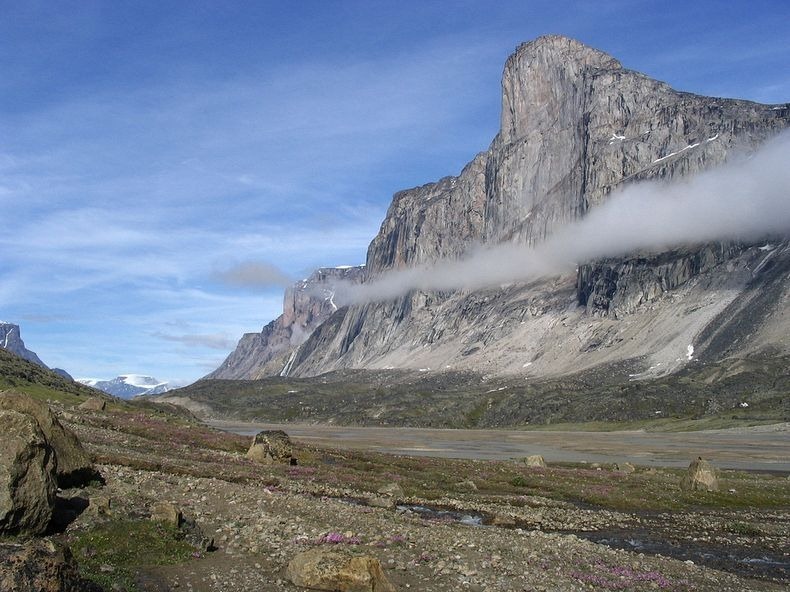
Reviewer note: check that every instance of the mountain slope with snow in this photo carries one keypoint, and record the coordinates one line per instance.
(127, 386)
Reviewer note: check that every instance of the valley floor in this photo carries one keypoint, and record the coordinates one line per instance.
(536, 520)
(760, 448)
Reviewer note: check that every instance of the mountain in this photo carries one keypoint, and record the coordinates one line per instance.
(127, 386)
(306, 305)
(575, 125)
(11, 340)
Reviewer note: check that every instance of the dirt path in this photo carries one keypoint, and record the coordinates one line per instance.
(764, 448)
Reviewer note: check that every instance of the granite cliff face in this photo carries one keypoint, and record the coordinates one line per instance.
(575, 125)
(306, 305)
(11, 340)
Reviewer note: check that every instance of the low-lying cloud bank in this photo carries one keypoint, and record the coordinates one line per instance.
(746, 199)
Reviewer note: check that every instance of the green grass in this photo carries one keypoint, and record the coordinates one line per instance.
(23, 376)
(701, 396)
(670, 424)
(127, 545)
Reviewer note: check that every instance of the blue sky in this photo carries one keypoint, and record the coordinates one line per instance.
(148, 147)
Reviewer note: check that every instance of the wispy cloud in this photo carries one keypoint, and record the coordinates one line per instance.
(215, 341)
(745, 200)
(254, 274)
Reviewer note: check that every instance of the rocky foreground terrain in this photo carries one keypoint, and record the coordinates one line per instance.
(178, 506)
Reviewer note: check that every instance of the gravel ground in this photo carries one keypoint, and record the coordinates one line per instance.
(259, 524)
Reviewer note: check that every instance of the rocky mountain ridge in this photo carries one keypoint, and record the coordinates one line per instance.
(306, 304)
(11, 340)
(575, 125)
(127, 386)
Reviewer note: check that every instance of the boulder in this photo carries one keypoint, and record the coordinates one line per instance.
(503, 520)
(380, 501)
(392, 490)
(467, 485)
(194, 535)
(535, 460)
(27, 469)
(100, 505)
(73, 464)
(271, 446)
(625, 467)
(40, 566)
(93, 404)
(167, 513)
(337, 570)
(701, 476)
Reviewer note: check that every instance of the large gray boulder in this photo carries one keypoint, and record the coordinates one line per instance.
(27, 468)
(73, 465)
(271, 446)
(337, 570)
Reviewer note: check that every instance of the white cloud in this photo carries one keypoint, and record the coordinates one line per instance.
(746, 200)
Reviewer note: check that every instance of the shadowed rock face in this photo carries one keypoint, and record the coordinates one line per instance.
(41, 566)
(575, 125)
(27, 466)
(72, 464)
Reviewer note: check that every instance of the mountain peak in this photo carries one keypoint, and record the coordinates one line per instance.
(127, 386)
(11, 340)
(544, 83)
(562, 47)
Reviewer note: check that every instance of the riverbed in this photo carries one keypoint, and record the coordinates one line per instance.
(760, 448)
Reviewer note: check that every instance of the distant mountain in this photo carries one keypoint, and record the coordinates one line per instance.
(127, 386)
(11, 340)
(306, 305)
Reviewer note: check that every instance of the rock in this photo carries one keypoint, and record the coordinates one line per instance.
(468, 485)
(167, 513)
(40, 566)
(195, 536)
(93, 404)
(380, 501)
(100, 505)
(73, 464)
(27, 475)
(392, 489)
(701, 476)
(535, 461)
(271, 446)
(337, 570)
(503, 521)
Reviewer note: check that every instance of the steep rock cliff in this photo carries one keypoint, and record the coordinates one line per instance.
(575, 125)
(306, 305)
